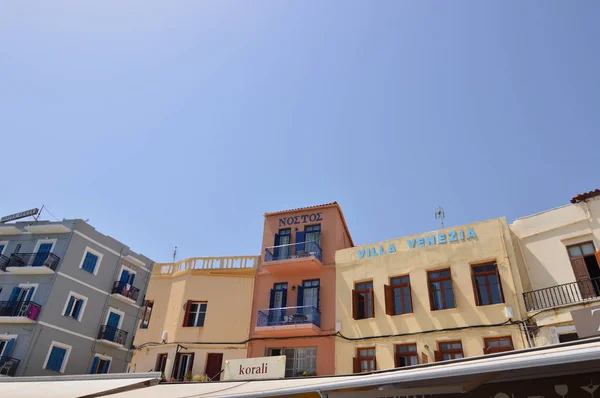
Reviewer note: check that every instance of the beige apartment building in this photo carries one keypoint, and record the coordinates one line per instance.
(196, 316)
(435, 296)
(560, 253)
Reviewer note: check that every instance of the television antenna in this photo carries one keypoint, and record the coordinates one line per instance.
(439, 215)
(174, 253)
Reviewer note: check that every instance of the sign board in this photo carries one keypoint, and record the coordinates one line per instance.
(587, 321)
(16, 216)
(255, 368)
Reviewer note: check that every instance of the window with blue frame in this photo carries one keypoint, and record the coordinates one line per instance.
(90, 262)
(2, 247)
(100, 365)
(75, 305)
(57, 357)
(308, 293)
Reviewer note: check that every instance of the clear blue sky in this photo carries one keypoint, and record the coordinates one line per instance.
(182, 122)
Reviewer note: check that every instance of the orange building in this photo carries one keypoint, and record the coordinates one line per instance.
(293, 310)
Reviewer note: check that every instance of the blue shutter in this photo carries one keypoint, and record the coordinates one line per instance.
(9, 347)
(319, 297)
(1, 248)
(284, 298)
(94, 365)
(57, 356)
(105, 367)
(77, 310)
(300, 296)
(299, 241)
(15, 294)
(276, 248)
(131, 278)
(69, 306)
(29, 293)
(89, 264)
(272, 299)
(124, 276)
(113, 320)
(45, 248)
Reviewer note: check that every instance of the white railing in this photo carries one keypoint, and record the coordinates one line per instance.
(206, 263)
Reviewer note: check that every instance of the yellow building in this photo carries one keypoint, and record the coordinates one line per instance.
(197, 316)
(429, 297)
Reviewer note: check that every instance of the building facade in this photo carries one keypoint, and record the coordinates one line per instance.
(560, 250)
(197, 316)
(431, 297)
(293, 311)
(70, 299)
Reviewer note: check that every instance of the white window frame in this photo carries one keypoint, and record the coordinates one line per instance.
(131, 271)
(198, 313)
(65, 360)
(42, 241)
(5, 243)
(116, 311)
(104, 358)
(77, 296)
(7, 338)
(95, 253)
(26, 285)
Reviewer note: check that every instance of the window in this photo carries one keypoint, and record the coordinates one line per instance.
(91, 261)
(3, 245)
(281, 251)
(449, 350)
(57, 357)
(564, 338)
(406, 355)
(127, 276)
(6, 346)
(161, 363)
(195, 313)
(365, 360)
(18, 248)
(298, 360)
(312, 233)
(74, 306)
(148, 304)
(486, 280)
(42, 251)
(585, 262)
(440, 289)
(308, 293)
(498, 344)
(100, 364)
(363, 303)
(398, 298)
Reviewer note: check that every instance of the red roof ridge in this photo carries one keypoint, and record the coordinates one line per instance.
(586, 195)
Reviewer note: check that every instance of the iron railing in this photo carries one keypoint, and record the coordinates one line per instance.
(8, 366)
(49, 260)
(289, 316)
(293, 250)
(568, 293)
(126, 290)
(110, 333)
(3, 262)
(27, 309)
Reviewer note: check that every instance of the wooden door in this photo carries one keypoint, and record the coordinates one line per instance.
(582, 277)
(214, 365)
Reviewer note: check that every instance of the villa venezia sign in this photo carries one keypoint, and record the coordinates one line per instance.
(300, 219)
(22, 214)
(255, 368)
(429, 240)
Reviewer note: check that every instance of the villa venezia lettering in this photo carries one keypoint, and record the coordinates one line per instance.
(429, 240)
(300, 219)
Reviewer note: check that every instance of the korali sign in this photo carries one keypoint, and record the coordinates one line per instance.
(16, 216)
(255, 368)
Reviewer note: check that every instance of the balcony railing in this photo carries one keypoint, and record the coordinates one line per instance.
(27, 309)
(110, 333)
(568, 293)
(126, 290)
(3, 262)
(49, 260)
(8, 366)
(293, 250)
(289, 316)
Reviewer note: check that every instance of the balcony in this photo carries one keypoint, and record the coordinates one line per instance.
(3, 263)
(278, 258)
(32, 263)
(19, 311)
(112, 336)
(8, 366)
(125, 292)
(559, 295)
(288, 321)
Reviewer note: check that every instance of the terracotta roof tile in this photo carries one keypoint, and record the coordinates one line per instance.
(586, 195)
(301, 208)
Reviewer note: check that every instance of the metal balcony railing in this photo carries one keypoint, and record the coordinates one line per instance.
(3, 262)
(27, 309)
(568, 293)
(8, 366)
(293, 250)
(289, 316)
(126, 290)
(49, 260)
(110, 333)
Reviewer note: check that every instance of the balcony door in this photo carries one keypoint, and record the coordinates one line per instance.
(585, 263)
(281, 251)
(183, 364)
(277, 302)
(214, 365)
(308, 298)
(42, 254)
(112, 324)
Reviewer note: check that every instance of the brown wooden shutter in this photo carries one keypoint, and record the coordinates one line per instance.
(389, 300)
(375, 363)
(372, 302)
(186, 317)
(438, 356)
(474, 281)
(356, 365)
(598, 257)
(354, 304)
(424, 358)
(191, 363)
(582, 277)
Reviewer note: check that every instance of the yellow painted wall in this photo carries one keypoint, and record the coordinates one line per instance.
(228, 292)
(493, 243)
